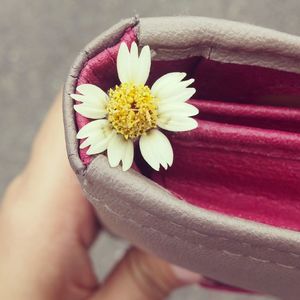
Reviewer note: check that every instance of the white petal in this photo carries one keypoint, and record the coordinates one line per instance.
(133, 62)
(166, 80)
(156, 149)
(123, 63)
(143, 67)
(91, 127)
(116, 149)
(173, 89)
(128, 156)
(90, 111)
(91, 140)
(79, 97)
(183, 96)
(90, 100)
(97, 134)
(93, 100)
(168, 109)
(92, 91)
(91, 95)
(100, 145)
(132, 67)
(177, 123)
(120, 149)
(94, 136)
(134, 53)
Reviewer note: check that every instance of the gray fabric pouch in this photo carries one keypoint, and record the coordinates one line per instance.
(255, 255)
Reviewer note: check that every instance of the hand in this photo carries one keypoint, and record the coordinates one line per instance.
(47, 228)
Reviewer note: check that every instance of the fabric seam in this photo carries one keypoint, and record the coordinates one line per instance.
(105, 205)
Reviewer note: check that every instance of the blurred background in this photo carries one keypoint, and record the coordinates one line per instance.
(39, 41)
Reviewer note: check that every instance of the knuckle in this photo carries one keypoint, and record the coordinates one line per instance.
(151, 275)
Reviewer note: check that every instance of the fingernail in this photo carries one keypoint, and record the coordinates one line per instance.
(185, 276)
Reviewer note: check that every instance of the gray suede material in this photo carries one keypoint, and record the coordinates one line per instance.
(220, 40)
(234, 251)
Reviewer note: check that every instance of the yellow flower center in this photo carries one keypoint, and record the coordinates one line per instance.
(132, 110)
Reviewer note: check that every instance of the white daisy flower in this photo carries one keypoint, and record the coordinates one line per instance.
(131, 112)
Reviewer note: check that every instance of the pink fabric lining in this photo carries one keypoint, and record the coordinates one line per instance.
(215, 285)
(244, 159)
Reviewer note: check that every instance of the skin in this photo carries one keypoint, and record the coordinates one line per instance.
(47, 228)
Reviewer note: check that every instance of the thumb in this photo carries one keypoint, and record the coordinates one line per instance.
(140, 276)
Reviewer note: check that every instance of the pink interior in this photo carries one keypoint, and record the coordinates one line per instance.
(212, 284)
(243, 160)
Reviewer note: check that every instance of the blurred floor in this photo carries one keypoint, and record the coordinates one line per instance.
(40, 39)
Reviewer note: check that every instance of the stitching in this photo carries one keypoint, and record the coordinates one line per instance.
(196, 47)
(210, 236)
(200, 245)
(295, 255)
